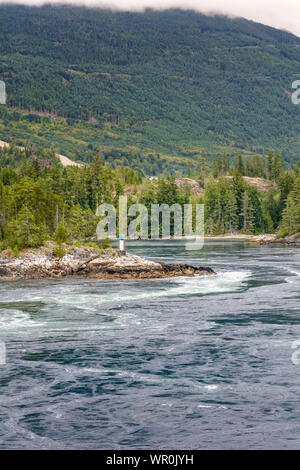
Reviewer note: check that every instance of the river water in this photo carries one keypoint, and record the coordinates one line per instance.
(186, 363)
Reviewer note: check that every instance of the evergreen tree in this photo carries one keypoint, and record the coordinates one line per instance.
(291, 215)
(247, 213)
(239, 165)
(24, 232)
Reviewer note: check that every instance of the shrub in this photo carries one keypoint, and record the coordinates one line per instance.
(61, 234)
(59, 252)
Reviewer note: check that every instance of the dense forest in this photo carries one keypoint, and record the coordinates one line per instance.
(40, 200)
(132, 95)
(175, 84)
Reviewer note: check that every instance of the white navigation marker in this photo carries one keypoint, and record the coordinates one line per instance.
(2, 353)
(122, 244)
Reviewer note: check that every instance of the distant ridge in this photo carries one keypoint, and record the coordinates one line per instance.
(175, 83)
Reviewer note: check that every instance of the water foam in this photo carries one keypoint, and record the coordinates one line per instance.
(14, 320)
(295, 274)
(292, 271)
(230, 281)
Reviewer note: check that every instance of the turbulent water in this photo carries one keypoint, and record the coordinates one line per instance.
(187, 363)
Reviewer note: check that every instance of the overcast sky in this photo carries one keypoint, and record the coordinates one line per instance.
(283, 14)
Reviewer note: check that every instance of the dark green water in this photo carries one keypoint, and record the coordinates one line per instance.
(181, 363)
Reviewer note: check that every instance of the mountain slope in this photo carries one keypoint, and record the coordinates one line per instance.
(176, 83)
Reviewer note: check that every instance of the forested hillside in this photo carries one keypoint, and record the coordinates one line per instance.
(169, 84)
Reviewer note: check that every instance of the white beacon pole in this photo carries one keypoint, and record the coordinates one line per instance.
(122, 244)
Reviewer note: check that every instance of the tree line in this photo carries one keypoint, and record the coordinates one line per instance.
(41, 200)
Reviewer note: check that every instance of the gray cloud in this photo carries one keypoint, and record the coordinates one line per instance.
(281, 14)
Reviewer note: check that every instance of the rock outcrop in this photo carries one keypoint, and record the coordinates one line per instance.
(272, 240)
(112, 264)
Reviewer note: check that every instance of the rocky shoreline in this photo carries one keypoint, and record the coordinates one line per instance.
(272, 240)
(111, 264)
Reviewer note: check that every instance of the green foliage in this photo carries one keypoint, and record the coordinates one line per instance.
(61, 234)
(104, 244)
(221, 210)
(59, 252)
(235, 206)
(40, 200)
(291, 214)
(24, 231)
(57, 203)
